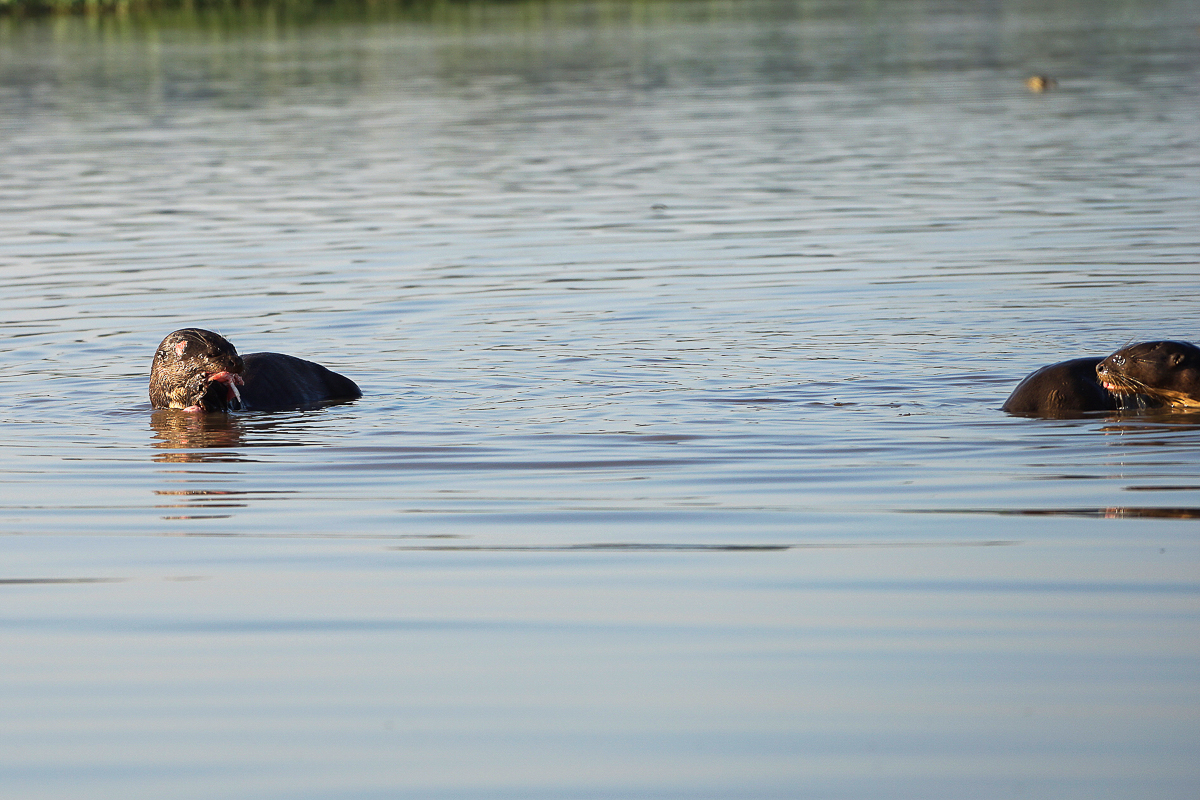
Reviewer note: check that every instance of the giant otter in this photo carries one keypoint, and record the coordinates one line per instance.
(1146, 375)
(1063, 389)
(1166, 372)
(198, 370)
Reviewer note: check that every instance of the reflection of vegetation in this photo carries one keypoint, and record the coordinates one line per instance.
(153, 56)
(273, 15)
(234, 52)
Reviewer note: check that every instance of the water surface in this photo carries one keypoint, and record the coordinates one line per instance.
(683, 330)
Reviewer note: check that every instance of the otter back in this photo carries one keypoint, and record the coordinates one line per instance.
(274, 381)
(1061, 390)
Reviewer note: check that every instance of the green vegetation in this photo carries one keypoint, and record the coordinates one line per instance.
(296, 9)
(252, 13)
(229, 15)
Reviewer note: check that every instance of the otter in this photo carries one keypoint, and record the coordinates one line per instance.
(1064, 389)
(1148, 375)
(198, 370)
(1166, 372)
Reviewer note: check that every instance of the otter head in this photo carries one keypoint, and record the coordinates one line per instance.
(1166, 371)
(196, 370)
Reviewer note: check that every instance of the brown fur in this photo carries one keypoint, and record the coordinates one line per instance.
(182, 364)
(194, 369)
(1166, 371)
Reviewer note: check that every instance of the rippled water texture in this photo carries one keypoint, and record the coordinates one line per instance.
(683, 330)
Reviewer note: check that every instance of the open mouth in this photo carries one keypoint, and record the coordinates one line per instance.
(210, 399)
(232, 381)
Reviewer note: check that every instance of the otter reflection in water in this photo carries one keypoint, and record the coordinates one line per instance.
(184, 438)
(198, 370)
(1164, 375)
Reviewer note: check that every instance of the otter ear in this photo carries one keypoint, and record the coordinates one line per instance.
(180, 347)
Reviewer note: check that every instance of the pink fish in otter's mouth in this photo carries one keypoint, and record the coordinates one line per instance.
(231, 380)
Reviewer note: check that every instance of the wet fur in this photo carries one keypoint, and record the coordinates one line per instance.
(1065, 389)
(1166, 371)
(182, 364)
(181, 377)
(276, 381)
(1163, 374)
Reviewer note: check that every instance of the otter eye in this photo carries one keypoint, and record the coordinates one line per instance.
(1119, 360)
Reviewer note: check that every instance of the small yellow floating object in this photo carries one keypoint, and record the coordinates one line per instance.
(1040, 83)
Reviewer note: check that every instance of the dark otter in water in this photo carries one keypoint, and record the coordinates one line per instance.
(1166, 372)
(198, 370)
(1063, 389)
(1146, 375)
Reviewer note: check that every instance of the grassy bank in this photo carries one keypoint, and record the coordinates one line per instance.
(286, 8)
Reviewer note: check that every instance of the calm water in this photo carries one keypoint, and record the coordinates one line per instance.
(683, 329)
